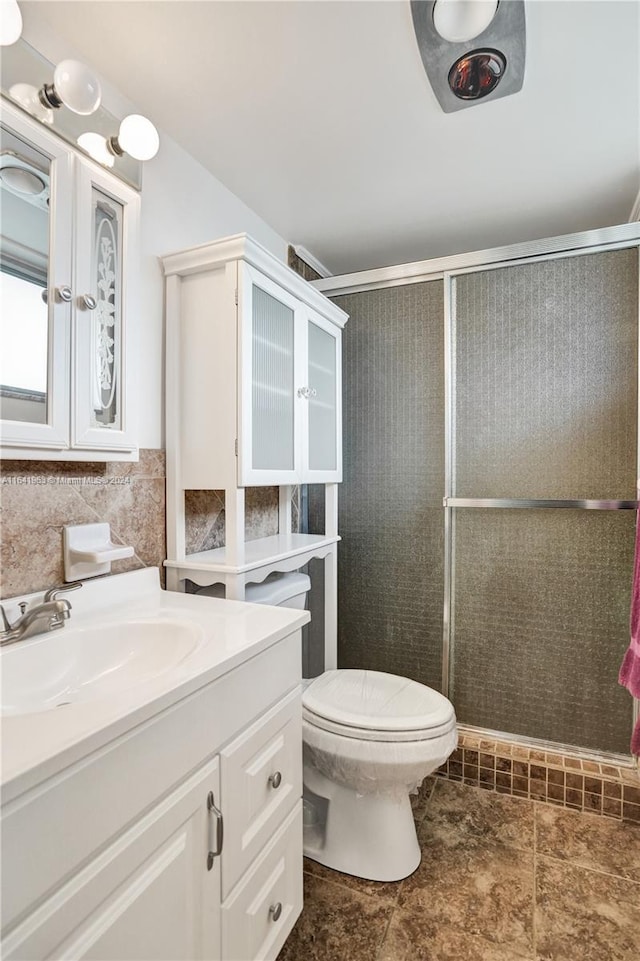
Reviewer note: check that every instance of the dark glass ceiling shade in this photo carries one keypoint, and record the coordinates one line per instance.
(476, 74)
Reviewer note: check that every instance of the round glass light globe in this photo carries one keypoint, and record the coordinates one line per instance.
(10, 22)
(138, 137)
(77, 87)
(462, 20)
(96, 146)
(27, 96)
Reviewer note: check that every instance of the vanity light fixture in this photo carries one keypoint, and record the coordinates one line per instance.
(96, 146)
(27, 96)
(75, 86)
(137, 137)
(10, 22)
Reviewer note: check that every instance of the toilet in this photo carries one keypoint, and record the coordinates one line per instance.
(369, 740)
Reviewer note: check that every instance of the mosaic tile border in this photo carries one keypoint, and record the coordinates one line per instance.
(509, 767)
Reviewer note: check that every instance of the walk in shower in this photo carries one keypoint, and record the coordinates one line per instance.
(490, 463)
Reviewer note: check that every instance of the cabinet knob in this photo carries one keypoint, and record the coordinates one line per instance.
(313, 392)
(275, 780)
(303, 392)
(64, 294)
(275, 911)
(87, 302)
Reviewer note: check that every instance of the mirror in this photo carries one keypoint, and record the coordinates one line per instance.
(24, 259)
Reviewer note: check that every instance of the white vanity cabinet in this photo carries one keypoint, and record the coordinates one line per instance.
(253, 370)
(181, 838)
(68, 274)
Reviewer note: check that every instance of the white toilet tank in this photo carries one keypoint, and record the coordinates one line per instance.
(280, 590)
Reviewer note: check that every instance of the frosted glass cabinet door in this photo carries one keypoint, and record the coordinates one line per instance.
(322, 431)
(107, 223)
(268, 359)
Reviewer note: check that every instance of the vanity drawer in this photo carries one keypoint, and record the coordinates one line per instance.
(49, 831)
(261, 781)
(261, 912)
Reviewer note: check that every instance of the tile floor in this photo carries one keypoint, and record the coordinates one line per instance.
(502, 879)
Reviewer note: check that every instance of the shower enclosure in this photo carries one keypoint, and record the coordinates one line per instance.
(490, 464)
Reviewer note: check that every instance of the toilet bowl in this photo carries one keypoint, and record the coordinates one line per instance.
(369, 740)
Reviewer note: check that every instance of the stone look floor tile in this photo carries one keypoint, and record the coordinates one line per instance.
(337, 924)
(590, 841)
(412, 937)
(383, 891)
(420, 801)
(477, 867)
(486, 891)
(582, 915)
(462, 816)
(472, 898)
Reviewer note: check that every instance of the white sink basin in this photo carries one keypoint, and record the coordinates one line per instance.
(74, 665)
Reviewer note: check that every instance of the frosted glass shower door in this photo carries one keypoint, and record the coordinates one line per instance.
(543, 426)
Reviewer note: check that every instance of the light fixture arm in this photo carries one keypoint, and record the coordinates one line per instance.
(113, 146)
(48, 96)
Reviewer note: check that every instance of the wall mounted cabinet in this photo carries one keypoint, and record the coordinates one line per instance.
(68, 254)
(253, 370)
(254, 398)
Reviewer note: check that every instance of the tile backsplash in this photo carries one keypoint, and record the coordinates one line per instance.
(38, 498)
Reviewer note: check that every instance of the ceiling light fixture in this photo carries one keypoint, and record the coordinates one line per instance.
(75, 86)
(473, 51)
(461, 20)
(10, 22)
(137, 136)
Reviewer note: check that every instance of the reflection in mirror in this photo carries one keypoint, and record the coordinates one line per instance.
(24, 256)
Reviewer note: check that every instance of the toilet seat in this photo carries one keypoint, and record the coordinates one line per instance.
(375, 706)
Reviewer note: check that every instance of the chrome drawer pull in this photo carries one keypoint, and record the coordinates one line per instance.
(212, 809)
(275, 911)
(275, 780)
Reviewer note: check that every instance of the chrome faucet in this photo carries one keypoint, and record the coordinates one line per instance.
(47, 616)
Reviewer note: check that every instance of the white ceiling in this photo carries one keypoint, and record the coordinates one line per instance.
(319, 116)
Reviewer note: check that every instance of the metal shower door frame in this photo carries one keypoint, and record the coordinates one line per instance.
(604, 239)
(450, 500)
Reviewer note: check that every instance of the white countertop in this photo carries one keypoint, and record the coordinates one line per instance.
(38, 745)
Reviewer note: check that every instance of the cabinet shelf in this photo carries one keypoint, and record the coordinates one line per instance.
(259, 553)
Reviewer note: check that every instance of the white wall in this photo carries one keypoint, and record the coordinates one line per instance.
(182, 205)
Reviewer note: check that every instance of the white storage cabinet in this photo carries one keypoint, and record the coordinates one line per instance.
(90, 271)
(253, 370)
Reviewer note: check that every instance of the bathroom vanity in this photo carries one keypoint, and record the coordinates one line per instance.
(152, 782)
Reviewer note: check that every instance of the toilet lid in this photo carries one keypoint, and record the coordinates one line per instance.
(372, 701)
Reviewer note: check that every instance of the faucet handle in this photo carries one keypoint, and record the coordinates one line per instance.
(53, 592)
(6, 626)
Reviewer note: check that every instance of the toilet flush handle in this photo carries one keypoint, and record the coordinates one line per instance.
(275, 780)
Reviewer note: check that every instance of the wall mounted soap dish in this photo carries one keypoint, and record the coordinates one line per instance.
(89, 551)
